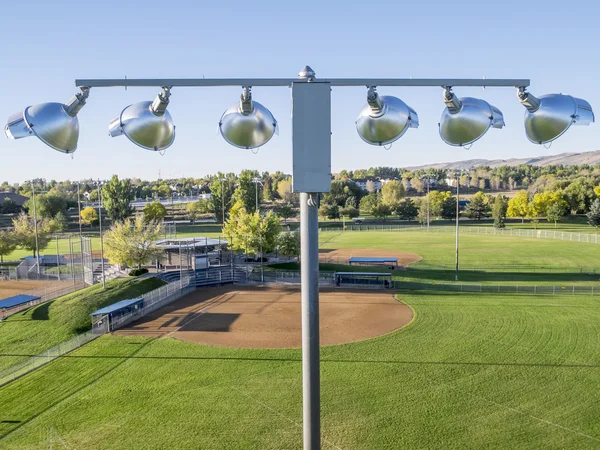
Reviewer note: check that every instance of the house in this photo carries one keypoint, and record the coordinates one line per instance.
(362, 183)
(17, 198)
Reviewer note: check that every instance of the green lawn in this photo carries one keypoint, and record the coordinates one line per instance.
(469, 372)
(37, 329)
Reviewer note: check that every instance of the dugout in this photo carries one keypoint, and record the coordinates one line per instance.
(109, 313)
(18, 300)
(364, 279)
(390, 263)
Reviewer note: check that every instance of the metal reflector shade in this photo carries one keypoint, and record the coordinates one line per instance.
(143, 127)
(556, 113)
(247, 131)
(49, 122)
(470, 123)
(387, 126)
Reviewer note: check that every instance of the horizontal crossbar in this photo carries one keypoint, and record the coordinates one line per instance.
(211, 82)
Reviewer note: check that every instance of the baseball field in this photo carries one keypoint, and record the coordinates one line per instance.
(220, 368)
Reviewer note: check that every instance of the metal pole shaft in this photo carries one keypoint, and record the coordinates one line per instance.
(79, 207)
(256, 192)
(457, 211)
(72, 260)
(309, 236)
(101, 238)
(37, 248)
(222, 203)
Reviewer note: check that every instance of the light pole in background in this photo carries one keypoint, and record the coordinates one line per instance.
(248, 124)
(222, 201)
(101, 237)
(458, 174)
(256, 181)
(35, 225)
(428, 214)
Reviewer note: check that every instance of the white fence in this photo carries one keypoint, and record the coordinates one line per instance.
(519, 232)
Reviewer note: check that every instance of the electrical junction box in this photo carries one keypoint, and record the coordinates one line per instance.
(311, 136)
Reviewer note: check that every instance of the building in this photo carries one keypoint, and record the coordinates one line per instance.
(17, 198)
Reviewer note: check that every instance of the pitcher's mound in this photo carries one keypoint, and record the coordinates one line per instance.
(342, 255)
(270, 317)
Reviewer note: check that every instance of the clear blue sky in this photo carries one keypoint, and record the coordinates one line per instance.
(47, 45)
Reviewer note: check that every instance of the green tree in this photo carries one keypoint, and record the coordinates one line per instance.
(8, 244)
(60, 222)
(349, 211)
(449, 207)
(368, 202)
(284, 189)
(246, 190)
(24, 232)
(116, 199)
(9, 206)
(554, 213)
(518, 206)
(163, 191)
(46, 206)
(478, 207)
(391, 194)
(89, 216)
(597, 191)
(593, 214)
(285, 211)
(407, 210)
(328, 211)
(200, 208)
(381, 210)
(249, 232)
(437, 202)
(288, 244)
(154, 212)
(133, 243)
(221, 194)
(499, 210)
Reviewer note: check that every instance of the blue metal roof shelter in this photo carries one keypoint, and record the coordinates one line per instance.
(17, 300)
(359, 259)
(377, 279)
(115, 310)
(117, 307)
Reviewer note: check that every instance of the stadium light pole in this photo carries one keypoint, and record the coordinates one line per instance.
(35, 226)
(256, 181)
(427, 178)
(249, 125)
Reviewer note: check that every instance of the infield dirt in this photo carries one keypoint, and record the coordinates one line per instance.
(269, 317)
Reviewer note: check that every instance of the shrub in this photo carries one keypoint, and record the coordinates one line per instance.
(138, 272)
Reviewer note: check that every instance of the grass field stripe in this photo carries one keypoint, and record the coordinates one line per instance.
(536, 418)
(293, 422)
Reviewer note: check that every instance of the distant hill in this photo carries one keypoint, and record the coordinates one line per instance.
(567, 159)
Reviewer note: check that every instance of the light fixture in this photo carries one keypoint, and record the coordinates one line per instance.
(55, 124)
(550, 116)
(467, 119)
(384, 120)
(146, 124)
(247, 124)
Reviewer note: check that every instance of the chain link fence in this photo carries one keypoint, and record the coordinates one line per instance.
(517, 232)
(501, 289)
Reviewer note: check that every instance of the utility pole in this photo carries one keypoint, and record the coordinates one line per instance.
(457, 215)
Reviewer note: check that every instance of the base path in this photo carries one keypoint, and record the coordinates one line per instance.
(269, 317)
(342, 255)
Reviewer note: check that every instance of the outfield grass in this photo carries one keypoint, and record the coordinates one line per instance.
(37, 329)
(468, 372)
(484, 251)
